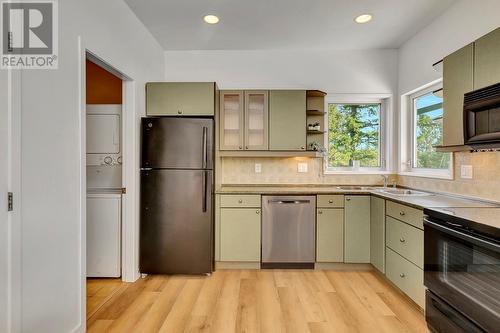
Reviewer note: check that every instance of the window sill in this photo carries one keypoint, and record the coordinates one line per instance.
(427, 175)
(357, 172)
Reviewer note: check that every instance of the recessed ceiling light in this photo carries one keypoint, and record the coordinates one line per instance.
(364, 18)
(211, 19)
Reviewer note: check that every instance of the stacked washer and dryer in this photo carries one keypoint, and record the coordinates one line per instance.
(104, 190)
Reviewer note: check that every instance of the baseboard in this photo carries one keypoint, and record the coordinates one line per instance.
(339, 266)
(236, 265)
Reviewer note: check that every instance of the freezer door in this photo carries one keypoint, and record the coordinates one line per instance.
(176, 233)
(177, 143)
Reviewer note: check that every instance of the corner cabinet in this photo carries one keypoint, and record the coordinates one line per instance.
(377, 233)
(487, 60)
(357, 229)
(287, 120)
(180, 98)
(458, 79)
(244, 120)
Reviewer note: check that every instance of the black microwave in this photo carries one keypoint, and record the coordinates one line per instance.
(482, 118)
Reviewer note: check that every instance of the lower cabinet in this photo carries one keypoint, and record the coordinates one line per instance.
(377, 233)
(240, 234)
(330, 235)
(357, 229)
(406, 276)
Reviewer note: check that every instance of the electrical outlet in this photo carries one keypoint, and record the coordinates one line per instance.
(302, 167)
(466, 172)
(258, 168)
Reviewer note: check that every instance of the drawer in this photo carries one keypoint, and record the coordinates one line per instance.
(410, 215)
(406, 240)
(406, 276)
(239, 200)
(330, 201)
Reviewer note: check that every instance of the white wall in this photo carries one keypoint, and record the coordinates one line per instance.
(364, 71)
(51, 188)
(460, 25)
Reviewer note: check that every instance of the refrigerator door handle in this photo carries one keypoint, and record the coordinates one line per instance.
(204, 197)
(205, 148)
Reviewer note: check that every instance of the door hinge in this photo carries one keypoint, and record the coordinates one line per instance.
(10, 201)
(124, 190)
(10, 49)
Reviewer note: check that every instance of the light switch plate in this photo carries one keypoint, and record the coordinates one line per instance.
(258, 168)
(302, 167)
(466, 172)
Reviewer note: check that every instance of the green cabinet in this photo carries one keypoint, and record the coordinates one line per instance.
(357, 229)
(330, 235)
(287, 120)
(377, 233)
(487, 60)
(240, 234)
(458, 78)
(180, 98)
(244, 120)
(406, 276)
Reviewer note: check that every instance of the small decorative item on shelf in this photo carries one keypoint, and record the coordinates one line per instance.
(315, 146)
(310, 127)
(316, 127)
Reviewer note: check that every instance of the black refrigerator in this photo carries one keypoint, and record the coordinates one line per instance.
(176, 210)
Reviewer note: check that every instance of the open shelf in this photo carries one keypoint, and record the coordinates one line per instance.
(315, 113)
(315, 132)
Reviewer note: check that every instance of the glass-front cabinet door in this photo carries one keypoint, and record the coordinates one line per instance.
(256, 120)
(231, 120)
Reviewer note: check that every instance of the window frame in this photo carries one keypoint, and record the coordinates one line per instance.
(410, 157)
(384, 102)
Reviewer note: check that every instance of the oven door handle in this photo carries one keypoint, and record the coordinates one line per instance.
(469, 238)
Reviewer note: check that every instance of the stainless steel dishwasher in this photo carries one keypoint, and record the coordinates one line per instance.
(288, 231)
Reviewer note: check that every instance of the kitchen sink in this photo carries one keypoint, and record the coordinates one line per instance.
(403, 192)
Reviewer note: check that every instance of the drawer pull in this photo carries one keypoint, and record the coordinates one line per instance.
(402, 240)
(330, 201)
(347, 199)
(257, 211)
(179, 111)
(240, 201)
(402, 213)
(402, 275)
(320, 212)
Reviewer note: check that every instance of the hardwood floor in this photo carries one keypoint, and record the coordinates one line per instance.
(259, 301)
(100, 291)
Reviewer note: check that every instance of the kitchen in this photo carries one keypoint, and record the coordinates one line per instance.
(304, 183)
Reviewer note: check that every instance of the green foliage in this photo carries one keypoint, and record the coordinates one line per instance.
(353, 134)
(430, 134)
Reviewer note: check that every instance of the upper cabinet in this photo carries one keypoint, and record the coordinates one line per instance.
(487, 60)
(244, 120)
(458, 79)
(180, 98)
(287, 120)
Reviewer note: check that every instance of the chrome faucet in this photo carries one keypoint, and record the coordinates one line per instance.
(386, 178)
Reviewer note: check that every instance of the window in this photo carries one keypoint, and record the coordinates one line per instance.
(423, 125)
(354, 138)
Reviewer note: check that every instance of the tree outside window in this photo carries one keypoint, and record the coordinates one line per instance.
(428, 133)
(354, 135)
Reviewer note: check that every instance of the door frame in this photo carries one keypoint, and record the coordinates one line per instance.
(11, 249)
(130, 149)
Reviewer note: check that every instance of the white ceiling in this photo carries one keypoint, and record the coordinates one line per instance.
(285, 24)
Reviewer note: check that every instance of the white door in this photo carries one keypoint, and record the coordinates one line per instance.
(9, 220)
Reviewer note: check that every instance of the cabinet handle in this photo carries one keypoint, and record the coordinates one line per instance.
(257, 211)
(246, 147)
(240, 147)
(402, 275)
(347, 199)
(402, 240)
(402, 213)
(320, 212)
(240, 201)
(302, 147)
(179, 111)
(330, 201)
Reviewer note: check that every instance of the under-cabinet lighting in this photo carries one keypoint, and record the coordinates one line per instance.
(364, 18)
(211, 19)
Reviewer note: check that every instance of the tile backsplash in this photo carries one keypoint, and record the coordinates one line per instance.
(485, 182)
(280, 170)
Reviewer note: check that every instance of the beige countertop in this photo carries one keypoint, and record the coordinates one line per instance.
(434, 200)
